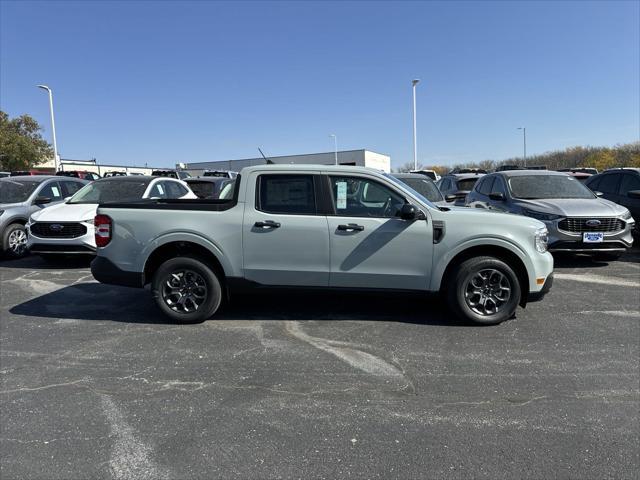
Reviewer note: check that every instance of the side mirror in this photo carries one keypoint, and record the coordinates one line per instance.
(66, 199)
(42, 200)
(498, 196)
(409, 212)
(450, 198)
(633, 194)
(598, 194)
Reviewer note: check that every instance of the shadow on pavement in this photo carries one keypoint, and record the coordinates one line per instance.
(36, 262)
(94, 301)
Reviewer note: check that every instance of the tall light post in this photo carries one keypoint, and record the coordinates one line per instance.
(335, 146)
(53, 125)
(524, 143)
(415, 142)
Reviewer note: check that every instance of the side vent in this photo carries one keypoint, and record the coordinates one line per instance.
(438, 231)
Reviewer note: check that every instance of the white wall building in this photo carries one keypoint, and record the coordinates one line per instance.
(364, 158)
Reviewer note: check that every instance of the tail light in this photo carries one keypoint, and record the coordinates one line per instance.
(102, 230)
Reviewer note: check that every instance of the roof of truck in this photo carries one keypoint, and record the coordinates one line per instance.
(314, 168)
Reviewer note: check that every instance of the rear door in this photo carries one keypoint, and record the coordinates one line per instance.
(285, 238)
(630, 182)
(371, 247)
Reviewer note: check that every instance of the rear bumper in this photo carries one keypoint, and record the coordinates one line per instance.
(106, 271)
(537, 296)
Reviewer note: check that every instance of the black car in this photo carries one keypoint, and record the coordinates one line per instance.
(81, 174)
(214, 188)
(622, 186)
(458, 184)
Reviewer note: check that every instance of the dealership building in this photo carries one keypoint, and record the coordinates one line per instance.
(363, 158)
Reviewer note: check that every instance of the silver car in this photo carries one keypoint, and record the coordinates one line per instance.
(577, 219)
(22, 196)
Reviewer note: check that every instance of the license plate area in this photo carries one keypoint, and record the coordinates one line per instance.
(593, 237)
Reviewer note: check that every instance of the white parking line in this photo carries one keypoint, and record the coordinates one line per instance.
(589, 278)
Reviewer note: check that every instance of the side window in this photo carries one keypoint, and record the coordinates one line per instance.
(609, 183)
(286, 194)
(498, 187)
(444, 186)
(629, 182)
(174, 189)
(593, 185)
(69, 188)
(486, 186)
(361, 197)
(157, 191)
(51, 190)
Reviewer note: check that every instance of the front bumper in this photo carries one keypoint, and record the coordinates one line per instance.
(564, 241)
(537, 296)
(82, 245)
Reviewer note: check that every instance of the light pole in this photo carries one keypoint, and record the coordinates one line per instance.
(53, 125)
(524, 143)
(415, 142)
(335, 146)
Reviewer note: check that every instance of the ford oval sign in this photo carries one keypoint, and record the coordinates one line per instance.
(593, 223)
(56, 227)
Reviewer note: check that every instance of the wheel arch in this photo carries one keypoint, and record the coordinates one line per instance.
(500, 252)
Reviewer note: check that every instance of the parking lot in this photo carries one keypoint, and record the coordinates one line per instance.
(97, 384)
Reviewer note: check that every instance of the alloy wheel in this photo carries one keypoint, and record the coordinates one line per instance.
(18, 242)
(184, 291)
(487, 291)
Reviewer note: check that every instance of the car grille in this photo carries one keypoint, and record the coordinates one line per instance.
(579, 225)
(58, 230)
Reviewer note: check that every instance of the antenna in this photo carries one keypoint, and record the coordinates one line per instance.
(269, 162)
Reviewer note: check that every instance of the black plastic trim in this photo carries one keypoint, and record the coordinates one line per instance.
(106, 271)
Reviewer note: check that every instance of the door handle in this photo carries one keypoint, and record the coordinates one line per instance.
(267, 224)
(351, 227)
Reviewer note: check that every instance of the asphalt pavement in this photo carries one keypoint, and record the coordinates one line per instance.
(95, 383)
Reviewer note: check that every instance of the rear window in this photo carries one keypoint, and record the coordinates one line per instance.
(467, 183)
(203, 189)
(287, 194)
(111, 190)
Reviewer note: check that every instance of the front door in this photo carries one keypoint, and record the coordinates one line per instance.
(371, 247)
(285, 239)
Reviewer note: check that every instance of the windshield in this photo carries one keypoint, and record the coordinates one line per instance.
(13, 191)
(407, 188)
(106, 191)
(424, 187)
(467, 183)
(531, 187)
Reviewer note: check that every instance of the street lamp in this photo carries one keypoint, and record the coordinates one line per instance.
(415, 144)
(335, 146)
(524, 143)
(53, 125)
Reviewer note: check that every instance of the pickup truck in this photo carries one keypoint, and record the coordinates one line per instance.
(331, 227)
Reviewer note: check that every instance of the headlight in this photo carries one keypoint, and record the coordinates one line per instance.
(545, 217)
(1, 212)
(90, 220)
(542, 239)
(626, 216)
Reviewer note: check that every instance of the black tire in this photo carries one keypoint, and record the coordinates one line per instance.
(14, 241)
(186, 290)
(607, 256)
(483, 278)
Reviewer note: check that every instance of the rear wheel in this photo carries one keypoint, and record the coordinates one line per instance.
(484, 290)
(186, 290)
(14, 241)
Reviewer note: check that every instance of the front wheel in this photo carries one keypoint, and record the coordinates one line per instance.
(186, 290)
(14, 241)
(484, 290)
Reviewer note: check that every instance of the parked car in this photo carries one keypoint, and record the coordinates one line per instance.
(425, 187)
(506, 168)
(580, 176)
(589, 170)
(68, 228)
(458, 184)
(28, 173)
(5, 174)
(432, 174)
(164, 173)
(83, 174)
(20, 197)
(220, 173)
(577, 220)
(621, 186)
(319, 226)
(211, 187)
(115, 174)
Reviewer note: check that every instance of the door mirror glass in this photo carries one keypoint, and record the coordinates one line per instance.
(498, 196)
(633, 194)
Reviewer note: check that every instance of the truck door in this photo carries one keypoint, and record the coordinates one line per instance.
(371, 247)
(285, 240)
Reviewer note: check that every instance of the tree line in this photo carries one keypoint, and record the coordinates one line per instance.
(623, 155)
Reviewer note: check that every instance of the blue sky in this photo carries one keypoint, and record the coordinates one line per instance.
(162, 82)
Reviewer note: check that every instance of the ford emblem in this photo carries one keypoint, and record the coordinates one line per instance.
(593, 223)
(56, 227)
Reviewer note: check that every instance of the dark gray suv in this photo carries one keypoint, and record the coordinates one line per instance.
(622, 186)
(22, 196)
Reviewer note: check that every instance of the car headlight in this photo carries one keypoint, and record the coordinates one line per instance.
(545, 217)
(542, 239)
(1, 212)
(89, 220)
(626, 216)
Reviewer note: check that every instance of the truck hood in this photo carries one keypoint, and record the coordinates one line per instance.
(486, 217)
(66, 212)
(574, 207)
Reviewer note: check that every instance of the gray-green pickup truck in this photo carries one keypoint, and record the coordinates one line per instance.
(321, 227)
